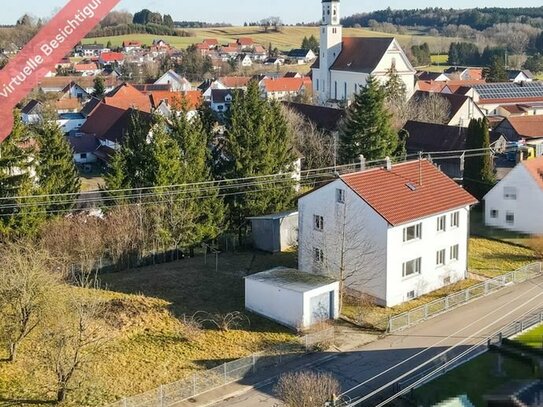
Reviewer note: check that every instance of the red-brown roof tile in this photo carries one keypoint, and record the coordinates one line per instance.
(535, 168)
(388, 193)
(527, 126)
(125, 96)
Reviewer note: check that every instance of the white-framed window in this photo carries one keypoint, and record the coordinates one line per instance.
(413, 232)
(318, 222)
(318, 255)
(412, 267)
(510, 218)
(442, 223)
(410, 295)
(494, 213)
(455, 252)
(340, 195)
(440, 257)
(510, 193)
(447, 281)
(455, 220)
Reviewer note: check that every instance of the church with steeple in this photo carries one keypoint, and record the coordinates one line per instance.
(345, 63)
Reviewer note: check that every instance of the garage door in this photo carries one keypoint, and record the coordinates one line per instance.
(320, 308)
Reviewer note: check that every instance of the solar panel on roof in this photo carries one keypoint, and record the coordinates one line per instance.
(510, 90)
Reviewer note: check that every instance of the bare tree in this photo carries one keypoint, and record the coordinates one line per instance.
(316, 146)
(26, 282)
(431, 108)
(307, 388)
(71, 341)
(349, 254)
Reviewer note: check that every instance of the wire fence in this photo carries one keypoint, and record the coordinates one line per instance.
(436, 307)
(226, 373)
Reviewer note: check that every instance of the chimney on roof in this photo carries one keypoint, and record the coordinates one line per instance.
(362, 162)
(388, 163)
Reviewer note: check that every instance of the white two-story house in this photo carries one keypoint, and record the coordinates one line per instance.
(393, 233)
(515, 203)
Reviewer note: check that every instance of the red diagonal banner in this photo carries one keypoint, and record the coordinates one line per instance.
(42, 54)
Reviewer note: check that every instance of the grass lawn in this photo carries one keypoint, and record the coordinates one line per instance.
(149, 346)
(286, 39)
(492, 258)
(476, 378)
(489, 258)
(533, 337)
(440, 59)
(375, 316)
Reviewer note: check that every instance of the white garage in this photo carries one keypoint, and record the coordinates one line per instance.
(292, 298)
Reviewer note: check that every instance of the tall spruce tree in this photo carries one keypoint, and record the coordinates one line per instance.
(478, 167)
(368, 129)
(259, 143)
(24, 216)
(99, 87)
(135, 151)
(56, 171)
(207, 207)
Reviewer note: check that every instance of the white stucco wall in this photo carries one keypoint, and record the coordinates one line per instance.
(526, 208)
(364, 246)
(277, 303)
(432, 277)
(464, 115)
(374, 251)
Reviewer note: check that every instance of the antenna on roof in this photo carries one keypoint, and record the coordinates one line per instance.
(420, 167)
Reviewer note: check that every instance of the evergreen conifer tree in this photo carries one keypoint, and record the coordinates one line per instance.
(25, 216)
(259, 143)
(478, 167)
(496, 72)
(368, 129)
(55, 168)
(99, 87)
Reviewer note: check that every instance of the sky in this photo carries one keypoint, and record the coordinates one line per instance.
(238, 11)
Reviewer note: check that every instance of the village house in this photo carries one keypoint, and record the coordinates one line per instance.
(59, 83)
(221, 99)
(87, 68)
(91, 50)
(301, 56)
(31, 113)
(393, 233)
(244, 61)
(462, 108)
(528, 129)
(345, 63)
(111, 58)
(519, 76)
(130, 46)
(286, 88)
(491, 96)
(515, 202)
(441, 143)
(177, 82)
(126, 96)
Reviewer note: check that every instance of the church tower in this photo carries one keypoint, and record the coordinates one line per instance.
(331, 35)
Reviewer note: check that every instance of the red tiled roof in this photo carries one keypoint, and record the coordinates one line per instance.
(245, 41)
(286, 84)
(535, 169)
(235, 81)
(527, 126)
(210, 41)
(388, 193)
(101, 120)
(125, 96)
(431, 86)
(193, 99)
(85, 67)
(111, 56)
(68, 104)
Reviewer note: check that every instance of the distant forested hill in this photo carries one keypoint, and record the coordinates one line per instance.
(478, 19)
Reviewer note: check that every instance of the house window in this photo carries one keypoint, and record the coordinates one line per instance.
(455, 220)
(410, 295)
(318, 255)
(455, 252)
(494, 214)
(412, 232)
(317, 85)
(356, 88)
(335, 90)
(441, 223)
(510, 218)
(447, 281)
(440, 257)
(510, 193)
(345, 91)
(340, 195)
(83, 156)
(318, 222)
(412, 267)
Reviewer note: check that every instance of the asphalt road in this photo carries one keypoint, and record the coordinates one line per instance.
(377, 364)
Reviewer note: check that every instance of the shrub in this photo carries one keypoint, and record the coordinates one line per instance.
(307, 388)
